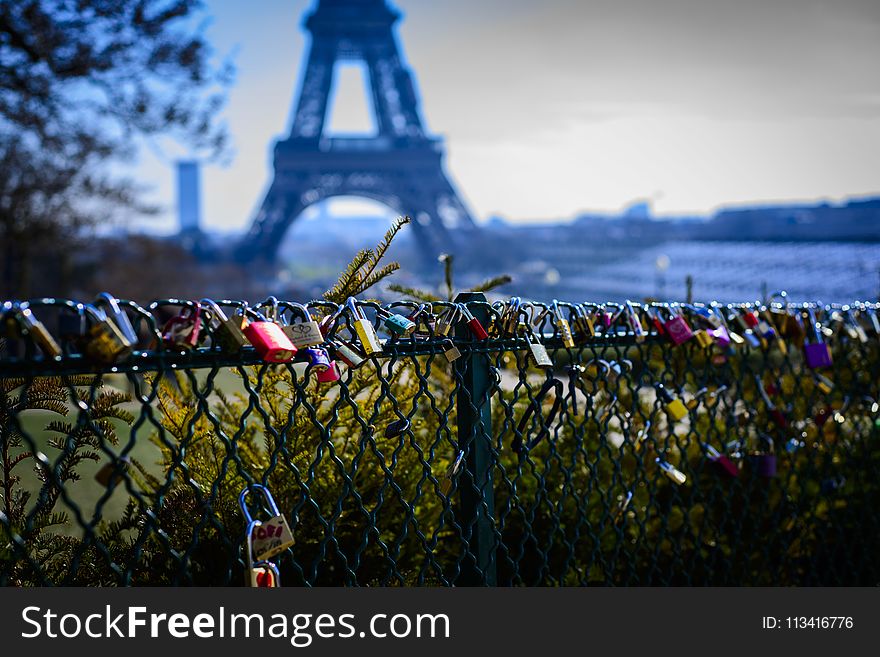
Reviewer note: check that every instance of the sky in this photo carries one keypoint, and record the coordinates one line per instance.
(555, 107)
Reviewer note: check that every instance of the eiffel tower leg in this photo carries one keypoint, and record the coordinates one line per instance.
(311, 110)
(277, 212)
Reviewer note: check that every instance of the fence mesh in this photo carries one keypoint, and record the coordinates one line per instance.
(488, 470)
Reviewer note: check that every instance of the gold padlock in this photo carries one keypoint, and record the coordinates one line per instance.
(562, 326)
(364, 329)
(105, 343)
(36, 331)
(703, 338)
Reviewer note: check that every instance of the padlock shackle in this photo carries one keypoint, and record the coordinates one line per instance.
(118, 315)
(251, 311)
(572, 310)
(763, 392)
(329, 323)
(213, 310)
(267, 498)
(270, 302)
(558, 388)
(815, 325)
(294, 309)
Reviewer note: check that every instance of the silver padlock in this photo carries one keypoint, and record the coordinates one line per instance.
(272, 536)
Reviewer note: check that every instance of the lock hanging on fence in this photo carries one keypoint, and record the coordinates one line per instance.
(270, 537)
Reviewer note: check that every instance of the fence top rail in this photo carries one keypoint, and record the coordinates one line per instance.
(63, 336)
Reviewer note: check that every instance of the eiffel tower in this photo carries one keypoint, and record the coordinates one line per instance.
(401, 166)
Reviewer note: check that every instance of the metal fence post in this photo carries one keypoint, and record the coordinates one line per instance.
(475, 512)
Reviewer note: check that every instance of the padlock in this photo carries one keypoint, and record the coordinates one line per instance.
(677, 328)
(674, 474)
(330, 375)
(396, 428)
(764, 328)
(183, 329)
(510, 319)
(751, 339)
(396, 323)
(474, 325)
(226, 332)
(816, 353)
(450, 350)
(260, 573)
(642, 435)
(269, 537)
(635, 323)
(538, 351)
(115, 313)
(264, 575)
(721, 461)
(451, 473)
(364, 329)
(521, 444)
(270, 342)
(623, 505)
(584, 322)
(306, 333)
(824, 384)
(777, 415)
(747, 319)
(329, 322)
(72, 327)
(347, 353)
(318, 358)
(674, 406)
(764, 459)
(653, 314)
(446, 321)
(104, 342)
(709, 315)
(874, 316)
(703, 338)
(33, 329)
(562, 326)
(721, 335)
(860, 334)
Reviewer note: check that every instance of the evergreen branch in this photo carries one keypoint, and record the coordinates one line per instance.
(413, 293)
(385, 244)
(492, 283)
(378, 276)
(350, 278)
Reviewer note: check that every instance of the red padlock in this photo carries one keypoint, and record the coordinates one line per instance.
(721, 461)
(271, 343)
(654, 316)
(183, 329)
(473, 323)
(749, 319)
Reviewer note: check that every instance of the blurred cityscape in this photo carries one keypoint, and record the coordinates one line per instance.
(823, 251)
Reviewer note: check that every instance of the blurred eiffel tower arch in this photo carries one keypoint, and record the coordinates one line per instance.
(401, 166)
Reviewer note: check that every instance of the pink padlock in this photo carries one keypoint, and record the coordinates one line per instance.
(329, 375)
(677, 328)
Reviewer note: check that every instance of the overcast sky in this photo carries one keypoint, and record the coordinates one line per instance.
(553, 107)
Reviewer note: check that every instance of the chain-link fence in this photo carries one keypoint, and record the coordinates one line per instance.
(446, 457)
